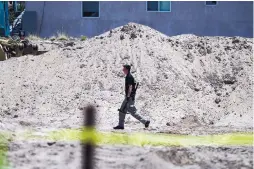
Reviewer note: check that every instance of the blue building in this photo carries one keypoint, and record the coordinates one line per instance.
(204, 18)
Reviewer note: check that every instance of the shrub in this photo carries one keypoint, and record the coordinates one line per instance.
(62, 36)
(83, 38)
(33, 37)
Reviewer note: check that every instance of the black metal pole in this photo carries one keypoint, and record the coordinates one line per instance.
(88, 147)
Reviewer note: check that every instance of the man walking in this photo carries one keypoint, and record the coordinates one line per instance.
(129, 101)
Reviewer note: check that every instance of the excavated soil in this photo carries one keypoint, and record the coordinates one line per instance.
(188, 85)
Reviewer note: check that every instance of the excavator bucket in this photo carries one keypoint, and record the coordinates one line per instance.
(29, 48)
(16, 48)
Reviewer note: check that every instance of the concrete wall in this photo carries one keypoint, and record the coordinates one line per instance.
(225, 19)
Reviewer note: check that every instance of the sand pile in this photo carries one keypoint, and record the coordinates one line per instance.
(189, 85)
(206, 78)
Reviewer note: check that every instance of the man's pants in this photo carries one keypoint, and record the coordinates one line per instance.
(130, 107)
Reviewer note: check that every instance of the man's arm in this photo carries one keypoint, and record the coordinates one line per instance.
(129, 90)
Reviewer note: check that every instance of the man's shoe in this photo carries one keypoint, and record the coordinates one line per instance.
(118, 128)
(147, 123)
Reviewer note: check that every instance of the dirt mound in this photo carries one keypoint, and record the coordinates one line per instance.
(204, 77)
(189, 85)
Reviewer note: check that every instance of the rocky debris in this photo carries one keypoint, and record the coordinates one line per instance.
(189, 120)
(133, 35)
(67, 48)
(227, 48)
(228, 79)
(170, 124)
(209, 49)
(189, 57)
(24, 123)
(79, 47)
(82, 66)
(217, 100)
(127, 28)
(121, 37)
(211, 123)
(235, 40)
(51, 143)
(218, 94)
(69, 44)
(169, 40)
(218, 58)
(214, 80)
(202, 51)
(196, 89)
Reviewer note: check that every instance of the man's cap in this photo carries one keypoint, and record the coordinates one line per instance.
(127, 67)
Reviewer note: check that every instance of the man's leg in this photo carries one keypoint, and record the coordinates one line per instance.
(121, 119)
(122, 115)
(133, 111)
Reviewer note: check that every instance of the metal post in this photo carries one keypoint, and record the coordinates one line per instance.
(88, 147)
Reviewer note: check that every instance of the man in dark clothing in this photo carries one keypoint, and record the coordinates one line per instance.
(129, 101)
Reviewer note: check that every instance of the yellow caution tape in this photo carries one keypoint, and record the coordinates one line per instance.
(3, 151)
(142, 139)
(137, 139)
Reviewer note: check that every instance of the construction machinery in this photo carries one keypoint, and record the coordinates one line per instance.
(16, 48)
(15, 45)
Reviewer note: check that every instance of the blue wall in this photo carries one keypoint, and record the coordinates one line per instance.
(225, 19)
